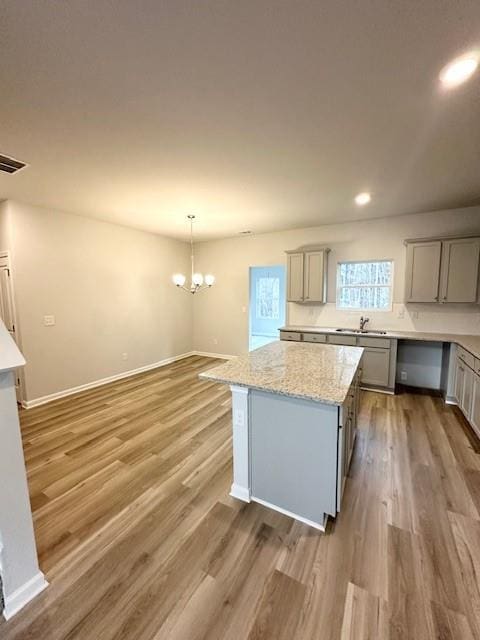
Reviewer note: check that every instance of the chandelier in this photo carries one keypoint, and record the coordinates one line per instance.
(197, 281)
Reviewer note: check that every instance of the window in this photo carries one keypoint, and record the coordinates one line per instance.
(268, 298)
(365, 286)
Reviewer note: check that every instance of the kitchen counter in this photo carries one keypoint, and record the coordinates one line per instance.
(469, 342)
(294, 415)
(318, 372)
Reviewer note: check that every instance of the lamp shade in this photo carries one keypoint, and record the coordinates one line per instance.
(179, 279)
(209, 280)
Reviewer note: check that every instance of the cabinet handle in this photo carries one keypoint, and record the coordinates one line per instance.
(444, 297)
(436, 298)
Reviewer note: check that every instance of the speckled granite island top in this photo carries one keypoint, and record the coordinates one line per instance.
(318, 372)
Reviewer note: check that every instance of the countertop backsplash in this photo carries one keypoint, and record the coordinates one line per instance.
(461, 319)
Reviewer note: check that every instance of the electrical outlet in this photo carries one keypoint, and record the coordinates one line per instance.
(401, 312)
(124, 356)
(49, 321)
(415, 315)
(403, 376)
(215, 341)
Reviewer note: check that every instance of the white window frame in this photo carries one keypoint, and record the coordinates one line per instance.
(359, 286)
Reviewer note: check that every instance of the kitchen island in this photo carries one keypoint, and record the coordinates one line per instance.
(294, 408)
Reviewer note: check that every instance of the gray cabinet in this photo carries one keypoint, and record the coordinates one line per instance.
(379, 357)
(459, 272)
(376, 366)
(442, 270)
(466, 401)
(423, 270)
(315, 287)
(307, 275)
(295, 277)
(475, 406)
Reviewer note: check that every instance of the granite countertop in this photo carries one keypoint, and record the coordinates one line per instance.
(468, 342)
(318, 372)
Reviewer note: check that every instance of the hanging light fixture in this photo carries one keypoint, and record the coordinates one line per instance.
(197, 281)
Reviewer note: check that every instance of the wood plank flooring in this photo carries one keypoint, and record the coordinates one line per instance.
(140, 540)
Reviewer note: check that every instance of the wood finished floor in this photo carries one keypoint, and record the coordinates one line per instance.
(140, 540)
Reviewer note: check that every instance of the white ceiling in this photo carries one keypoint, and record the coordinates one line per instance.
(251, 114)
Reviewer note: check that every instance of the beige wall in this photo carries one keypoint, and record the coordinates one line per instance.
(221, 314)
(109, 288)
(4, 226)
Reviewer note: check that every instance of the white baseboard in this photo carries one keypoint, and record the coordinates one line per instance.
(36, 402)
(22, 596)
(241, 493)
(208, 354)
(29, 404)
(316, 525)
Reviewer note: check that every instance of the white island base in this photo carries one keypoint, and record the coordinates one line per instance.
(292, 454)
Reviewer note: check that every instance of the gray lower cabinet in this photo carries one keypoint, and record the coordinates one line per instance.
(379, 357)
(467, 387)
(475, 408)
(376, 366)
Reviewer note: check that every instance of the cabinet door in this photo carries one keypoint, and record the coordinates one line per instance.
(376, 366)
(459, 381)
(459, 273)
(423, 271)
(466, 405)
(475, 412)
(315, 277)
(295, 277)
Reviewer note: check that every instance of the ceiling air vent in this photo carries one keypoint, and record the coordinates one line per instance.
(9, 165)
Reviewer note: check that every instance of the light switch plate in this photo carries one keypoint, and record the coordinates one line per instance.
(49, 321)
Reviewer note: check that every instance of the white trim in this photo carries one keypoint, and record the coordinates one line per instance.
(29, 404)
(22, 596)
(387, 392)
(236, 491)
(36, 402)
(208, 354)
(315, 525)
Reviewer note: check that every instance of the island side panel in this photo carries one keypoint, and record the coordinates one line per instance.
(293, 452)
(241, 447)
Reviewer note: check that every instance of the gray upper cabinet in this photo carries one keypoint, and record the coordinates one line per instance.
(423, 270)
(315, 288)
(307, 275)
(295, 277)
(442, 270)
(459, 274)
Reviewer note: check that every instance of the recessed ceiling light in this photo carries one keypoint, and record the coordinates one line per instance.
(459, 70)
(363, 198)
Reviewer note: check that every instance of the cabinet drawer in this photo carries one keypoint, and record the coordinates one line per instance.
(466, 357)
(314, 337)
(290, 335)
(348, 340)
(383, 343)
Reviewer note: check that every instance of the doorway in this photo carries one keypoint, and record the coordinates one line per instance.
(267, 305)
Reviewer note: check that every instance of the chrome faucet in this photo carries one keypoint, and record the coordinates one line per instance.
(363, 322)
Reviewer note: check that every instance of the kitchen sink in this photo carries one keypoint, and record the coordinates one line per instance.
(377, 332)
